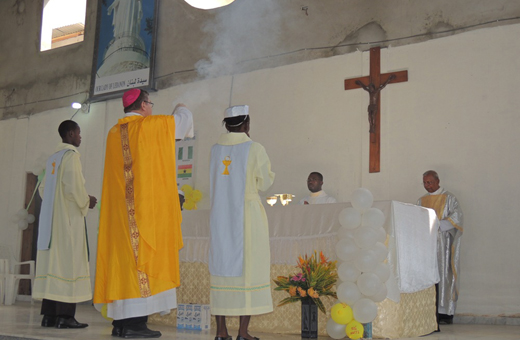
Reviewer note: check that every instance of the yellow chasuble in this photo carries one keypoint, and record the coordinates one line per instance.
(435, 202)
(140, 224)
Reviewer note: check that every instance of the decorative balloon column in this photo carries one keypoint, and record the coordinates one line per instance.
(362, 271)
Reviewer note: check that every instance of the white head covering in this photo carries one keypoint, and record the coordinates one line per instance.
(237, 110)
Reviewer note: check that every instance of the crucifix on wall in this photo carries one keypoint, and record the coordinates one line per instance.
(373, 84)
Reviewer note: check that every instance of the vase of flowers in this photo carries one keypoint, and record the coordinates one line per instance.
(315, 279)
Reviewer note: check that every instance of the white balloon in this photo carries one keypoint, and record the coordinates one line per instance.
(31, 218)
(381, 235)
(373, 217)
(348, 292)
(381, 295)
(365, 310)
(369, 284)
(335, 330)
(380, 251)
(362, 199)
(350, 218)
(22, 214)
(345, 233)
(382, 271)
(347, 271)
(37, 171)
(365, 260)
(365, 237)
(346, 249)
(23, 224)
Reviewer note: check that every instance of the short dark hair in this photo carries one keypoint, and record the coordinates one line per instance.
(137, 104)
(317, 174)
(66, 126)
(234, 123)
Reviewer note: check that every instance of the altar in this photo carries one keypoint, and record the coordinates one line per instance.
(409, 309)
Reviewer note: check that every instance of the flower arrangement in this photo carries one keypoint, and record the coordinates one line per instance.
(317, 278)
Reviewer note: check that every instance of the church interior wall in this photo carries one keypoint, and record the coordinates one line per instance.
(245, 36)
(455, 114)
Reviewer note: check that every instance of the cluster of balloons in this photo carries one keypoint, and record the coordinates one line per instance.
(362, 271)
(191, 197)
(22, 219)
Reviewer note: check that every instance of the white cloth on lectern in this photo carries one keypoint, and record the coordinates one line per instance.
(418, 266)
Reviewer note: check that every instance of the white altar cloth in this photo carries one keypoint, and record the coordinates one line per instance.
(301, 229)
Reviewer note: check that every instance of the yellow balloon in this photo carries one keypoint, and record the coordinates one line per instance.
(341, 313)
(354, 330)
(187, 189)
(197, 195)
(189, 205)
(104, 312)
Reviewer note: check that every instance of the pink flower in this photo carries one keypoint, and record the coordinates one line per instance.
(298, 277)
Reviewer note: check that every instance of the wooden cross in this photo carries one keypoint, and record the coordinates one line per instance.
(373, 84)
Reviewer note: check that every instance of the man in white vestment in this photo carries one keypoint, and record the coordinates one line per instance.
(450, 231)
(62, 269)
(239, 258)
(317, 195)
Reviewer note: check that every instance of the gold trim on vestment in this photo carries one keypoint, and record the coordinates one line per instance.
(144, 286)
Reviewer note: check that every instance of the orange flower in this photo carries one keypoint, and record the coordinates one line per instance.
(323, 258)
(313, 293)
(292, 291)
(302, 292)
(300, 261)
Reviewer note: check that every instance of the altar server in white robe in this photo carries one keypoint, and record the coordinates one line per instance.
(239, 258)
(62, 269)
(317, 194)
(450, 231)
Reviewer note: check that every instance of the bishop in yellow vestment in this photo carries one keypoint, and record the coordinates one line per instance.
(140, 225)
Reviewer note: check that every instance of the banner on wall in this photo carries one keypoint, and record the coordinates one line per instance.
(185, 151)
(125, 46)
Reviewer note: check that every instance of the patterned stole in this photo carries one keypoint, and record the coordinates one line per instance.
(144, 285)
(435, 202)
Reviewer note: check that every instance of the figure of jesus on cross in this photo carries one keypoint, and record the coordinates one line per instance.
(373, 84)
(374, 96)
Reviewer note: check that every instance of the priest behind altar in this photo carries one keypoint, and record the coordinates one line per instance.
(449, 214)
(140, 235)
(317, 195)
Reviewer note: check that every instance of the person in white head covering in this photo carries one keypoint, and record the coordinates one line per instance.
(239, 260)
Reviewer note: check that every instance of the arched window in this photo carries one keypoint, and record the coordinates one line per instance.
(63, 23)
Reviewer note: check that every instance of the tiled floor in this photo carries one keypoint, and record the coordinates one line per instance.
(22, 320)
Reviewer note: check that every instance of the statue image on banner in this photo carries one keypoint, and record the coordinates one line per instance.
(125, 45)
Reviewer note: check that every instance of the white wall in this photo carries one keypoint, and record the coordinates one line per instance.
(457, 114)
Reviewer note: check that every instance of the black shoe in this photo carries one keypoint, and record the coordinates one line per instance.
(445, 319)
(242, 338)
(49, 321)
(69, 323)
(140, 334)
(116, 331)
(229, 337)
